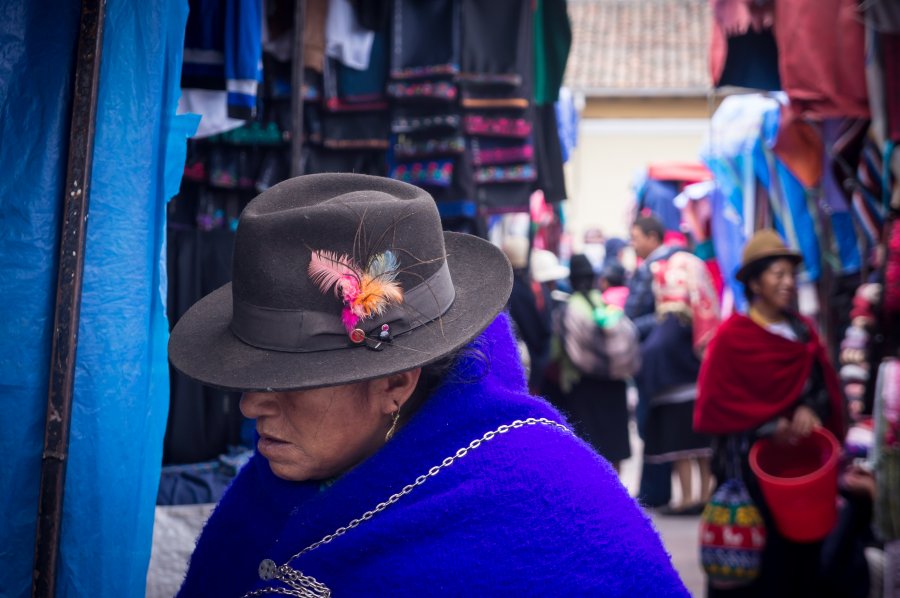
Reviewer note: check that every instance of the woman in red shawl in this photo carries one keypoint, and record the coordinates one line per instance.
(767, 374)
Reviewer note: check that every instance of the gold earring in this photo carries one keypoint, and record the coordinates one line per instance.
(390, 433)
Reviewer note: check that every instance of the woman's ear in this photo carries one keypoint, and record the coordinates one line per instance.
(754, 287)
(394, 390)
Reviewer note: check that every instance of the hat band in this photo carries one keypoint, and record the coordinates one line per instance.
(303, 331)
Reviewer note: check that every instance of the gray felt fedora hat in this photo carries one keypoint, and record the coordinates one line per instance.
(339, 278)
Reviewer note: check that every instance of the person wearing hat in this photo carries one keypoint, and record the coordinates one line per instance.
(768, 374)
(398, 451)
(599, 353)
(545, 267)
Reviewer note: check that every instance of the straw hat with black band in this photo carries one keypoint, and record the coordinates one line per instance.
(339, 278)
(764, 244)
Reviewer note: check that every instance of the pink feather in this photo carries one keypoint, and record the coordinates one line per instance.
(327, 270)
(349, 318)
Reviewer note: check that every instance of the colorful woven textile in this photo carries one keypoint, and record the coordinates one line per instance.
(497, 127)
(435, 172)
(732, 536)
(409, 147)
(411, 124)
(484, 154)
(682, 285)
(505, 174)
(423, 90)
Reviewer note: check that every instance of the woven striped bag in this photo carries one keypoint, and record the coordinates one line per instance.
(732, 535)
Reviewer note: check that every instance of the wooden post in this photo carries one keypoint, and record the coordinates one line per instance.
(68, 297)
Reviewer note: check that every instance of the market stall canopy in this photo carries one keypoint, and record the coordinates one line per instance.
(686, 172)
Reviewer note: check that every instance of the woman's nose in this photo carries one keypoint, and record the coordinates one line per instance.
(258, 404)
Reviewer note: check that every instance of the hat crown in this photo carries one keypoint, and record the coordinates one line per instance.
(516, 251)
(764, 243)
(545, 266)
(339, 278)
(355, 215)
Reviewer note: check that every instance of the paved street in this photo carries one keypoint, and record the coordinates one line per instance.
(679, 533)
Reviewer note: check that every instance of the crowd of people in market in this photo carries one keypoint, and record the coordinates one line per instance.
(713, 394)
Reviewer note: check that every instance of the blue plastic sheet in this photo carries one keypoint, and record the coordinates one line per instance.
(121, 378)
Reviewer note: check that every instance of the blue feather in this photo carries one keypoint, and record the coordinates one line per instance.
(384, 265)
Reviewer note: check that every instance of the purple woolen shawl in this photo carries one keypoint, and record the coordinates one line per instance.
(531, 512)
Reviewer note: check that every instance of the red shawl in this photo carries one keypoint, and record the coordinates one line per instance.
(751, 376)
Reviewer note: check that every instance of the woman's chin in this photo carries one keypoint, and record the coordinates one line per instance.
(287, 472)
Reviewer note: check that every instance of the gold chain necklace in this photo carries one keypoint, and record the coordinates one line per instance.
(305, 586)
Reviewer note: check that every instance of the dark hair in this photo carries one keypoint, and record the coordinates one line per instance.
(755, 271)
(581, 273)
(466, 365)
(651, 224)
(613, 273)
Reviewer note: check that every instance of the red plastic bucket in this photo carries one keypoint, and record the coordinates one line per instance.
(799, 482)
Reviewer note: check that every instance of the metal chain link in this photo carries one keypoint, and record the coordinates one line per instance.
(308, 587)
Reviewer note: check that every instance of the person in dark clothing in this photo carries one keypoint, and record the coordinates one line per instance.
(533, 326)
(647, 239)
(596, 399)
(546, 271)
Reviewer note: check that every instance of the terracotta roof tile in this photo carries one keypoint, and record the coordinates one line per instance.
(622, 46)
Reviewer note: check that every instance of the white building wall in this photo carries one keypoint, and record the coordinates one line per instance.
(610, 153)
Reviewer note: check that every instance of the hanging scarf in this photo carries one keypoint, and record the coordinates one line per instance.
(682, 286)
(751, 376)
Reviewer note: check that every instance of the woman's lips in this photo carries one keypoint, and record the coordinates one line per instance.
(270, 444)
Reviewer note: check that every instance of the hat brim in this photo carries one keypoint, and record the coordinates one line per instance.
(551, 274)
(203, 347)
(787, 254)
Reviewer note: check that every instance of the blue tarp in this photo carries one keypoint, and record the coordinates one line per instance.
(121, 377)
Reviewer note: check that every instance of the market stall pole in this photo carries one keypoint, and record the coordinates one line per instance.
(297, 90)
(68, 297)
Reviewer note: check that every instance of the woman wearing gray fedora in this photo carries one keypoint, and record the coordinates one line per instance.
(398, 453)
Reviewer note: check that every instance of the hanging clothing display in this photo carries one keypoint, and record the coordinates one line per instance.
(425, 39)
(821, 47)
(428, 146)
(748, 60)
(552, 40)
(816, 163)
(345, 39)
(222, 63)
(496, 69)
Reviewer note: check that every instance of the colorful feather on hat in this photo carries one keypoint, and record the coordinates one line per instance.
(365, 293)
